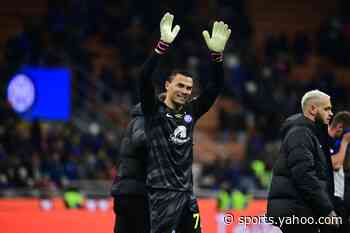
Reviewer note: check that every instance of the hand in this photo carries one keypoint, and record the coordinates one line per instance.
(334, 221)
(346, 137)
(166, 34)
(219, 37)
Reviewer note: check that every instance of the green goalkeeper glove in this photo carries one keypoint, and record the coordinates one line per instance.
(219, 37)
(167, 34)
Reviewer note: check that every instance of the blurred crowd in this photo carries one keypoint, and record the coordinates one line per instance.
(104, 43)
(334, 36)
(51, 156)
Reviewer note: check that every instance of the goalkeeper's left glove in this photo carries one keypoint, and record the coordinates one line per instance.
(219, 36)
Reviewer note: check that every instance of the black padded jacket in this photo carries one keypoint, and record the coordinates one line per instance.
(131, 164)
(302, 182)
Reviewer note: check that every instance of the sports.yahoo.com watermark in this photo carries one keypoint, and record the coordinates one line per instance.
(229, 218)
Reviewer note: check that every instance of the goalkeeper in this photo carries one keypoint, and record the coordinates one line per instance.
(169, 124)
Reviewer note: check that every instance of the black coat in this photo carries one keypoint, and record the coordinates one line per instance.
(131, 165)
(347, 191)
(302, 182)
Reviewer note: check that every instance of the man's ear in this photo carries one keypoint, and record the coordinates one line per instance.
(167, 83)
(313, 110)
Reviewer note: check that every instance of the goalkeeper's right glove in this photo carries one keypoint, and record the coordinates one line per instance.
(167, 34)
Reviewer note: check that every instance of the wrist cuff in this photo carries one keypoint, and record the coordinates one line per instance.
(162, 47)
(217, 57)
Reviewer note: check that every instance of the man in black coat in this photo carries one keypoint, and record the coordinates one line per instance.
(129, 186)
(302, 183)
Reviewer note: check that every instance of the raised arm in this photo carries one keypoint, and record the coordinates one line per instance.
(147, 91)
(216, 44)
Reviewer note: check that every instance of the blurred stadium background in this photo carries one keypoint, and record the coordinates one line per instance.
(277, 51)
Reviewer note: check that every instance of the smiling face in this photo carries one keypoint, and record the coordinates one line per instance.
(179, 89)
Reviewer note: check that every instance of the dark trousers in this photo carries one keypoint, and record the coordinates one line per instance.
(342, 211)
(132, 214)
(299, 228)
(311, 229)
(173, 210)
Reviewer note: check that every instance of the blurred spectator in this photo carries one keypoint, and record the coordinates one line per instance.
(73, 198)
(301, 47)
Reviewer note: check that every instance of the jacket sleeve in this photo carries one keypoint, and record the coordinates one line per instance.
(147, 90)
(301, 163)
(211, 91)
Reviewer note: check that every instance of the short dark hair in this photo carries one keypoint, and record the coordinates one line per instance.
(342, 117)
(173, 73)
